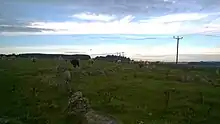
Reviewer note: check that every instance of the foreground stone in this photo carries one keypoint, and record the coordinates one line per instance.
(79, 105)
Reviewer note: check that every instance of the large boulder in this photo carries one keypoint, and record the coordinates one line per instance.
(78, 104)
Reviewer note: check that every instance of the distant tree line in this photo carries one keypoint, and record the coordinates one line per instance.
(113, 58)
(49, 56)
(205, 63)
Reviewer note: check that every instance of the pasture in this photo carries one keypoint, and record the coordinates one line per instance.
(32, 93)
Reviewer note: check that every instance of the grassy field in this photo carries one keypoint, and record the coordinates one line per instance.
(31, 93)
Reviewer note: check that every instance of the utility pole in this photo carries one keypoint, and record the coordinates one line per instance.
(123, 54)
(116, 53)
(177, 47)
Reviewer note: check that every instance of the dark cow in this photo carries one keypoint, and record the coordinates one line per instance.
(75, 62)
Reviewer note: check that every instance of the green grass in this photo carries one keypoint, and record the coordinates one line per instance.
(29, 95)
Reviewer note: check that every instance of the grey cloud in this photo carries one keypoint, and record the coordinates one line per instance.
(133, 7)
(11, 14)
(145, 7)
(14, 22)
(18, 26)
(136, 7)
(9, 28)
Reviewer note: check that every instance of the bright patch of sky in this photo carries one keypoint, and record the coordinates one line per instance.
(141, 29)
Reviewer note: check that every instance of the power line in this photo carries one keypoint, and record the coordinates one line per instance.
(209, 35)
(126, 38)
(212, 35)
(177, 47)
(201, 33)
(151, 38)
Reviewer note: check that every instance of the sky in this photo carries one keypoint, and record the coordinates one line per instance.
(142, 29)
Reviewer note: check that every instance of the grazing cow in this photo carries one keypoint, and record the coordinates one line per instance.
(33, 59)
(61, 68)
(91, 61)
(119, 61)
(153, 66)
(131, 62)
(3, 57)
(141, 64)
(217, 71)
(60, 58)
(146, 63)
(75, 63)
(193, 67)
(67, 76)
(12, 58)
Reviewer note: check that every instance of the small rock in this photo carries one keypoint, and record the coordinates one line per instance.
(140, 122)
(95, 118)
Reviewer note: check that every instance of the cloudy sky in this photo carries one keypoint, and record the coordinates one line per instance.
(142, 29)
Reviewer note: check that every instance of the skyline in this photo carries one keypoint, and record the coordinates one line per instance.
(140, 29)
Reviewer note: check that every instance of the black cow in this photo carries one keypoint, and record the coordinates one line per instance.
(75, 62)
